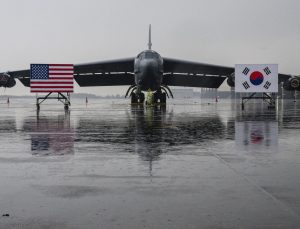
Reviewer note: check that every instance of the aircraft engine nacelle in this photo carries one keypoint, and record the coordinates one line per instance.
(6, 80)
(231, 80)
(292, 83)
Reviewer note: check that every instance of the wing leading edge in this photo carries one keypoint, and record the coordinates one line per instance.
(105, 73)
(193, 74)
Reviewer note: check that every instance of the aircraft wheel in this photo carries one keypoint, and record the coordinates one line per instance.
(133, 98)
(155, 98)
(142, 98)
(163, 98)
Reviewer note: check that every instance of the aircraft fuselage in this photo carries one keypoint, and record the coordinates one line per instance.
(148, 70)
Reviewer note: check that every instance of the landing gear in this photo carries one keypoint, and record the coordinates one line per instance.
(141, 97)
(163, 98)
(133, 98)
(137, 98)
(156, 98)
(160, 98)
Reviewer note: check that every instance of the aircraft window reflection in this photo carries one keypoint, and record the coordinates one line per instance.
(151, 55)
(141, 56)
(147, 55)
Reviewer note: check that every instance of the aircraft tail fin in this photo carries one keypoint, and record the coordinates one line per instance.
(149, 41)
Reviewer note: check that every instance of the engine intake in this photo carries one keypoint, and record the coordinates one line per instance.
(6, 80)
(292, 83)
(231, 80)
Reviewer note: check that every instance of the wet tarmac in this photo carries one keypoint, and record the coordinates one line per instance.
(193, 164)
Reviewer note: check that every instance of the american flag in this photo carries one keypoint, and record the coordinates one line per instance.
(51, 77)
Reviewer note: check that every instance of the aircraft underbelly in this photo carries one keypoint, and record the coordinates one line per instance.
(150, 81)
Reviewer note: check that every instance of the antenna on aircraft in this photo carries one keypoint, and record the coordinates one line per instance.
(149, 42)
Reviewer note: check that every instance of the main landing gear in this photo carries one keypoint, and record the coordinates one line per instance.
(137, 98)
(152, 98)
(159, 97)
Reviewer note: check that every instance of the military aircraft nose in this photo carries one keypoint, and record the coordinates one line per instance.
(149, 75)
(149, 66)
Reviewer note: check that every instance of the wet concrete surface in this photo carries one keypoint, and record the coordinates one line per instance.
(194, 164)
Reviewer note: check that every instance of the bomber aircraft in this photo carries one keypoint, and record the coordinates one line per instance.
(148, 71)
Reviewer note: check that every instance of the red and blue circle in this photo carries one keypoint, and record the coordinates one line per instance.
(256, 78)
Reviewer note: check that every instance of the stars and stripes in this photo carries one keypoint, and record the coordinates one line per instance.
(51, 78)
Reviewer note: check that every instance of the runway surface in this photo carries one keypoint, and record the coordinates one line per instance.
(194, 164)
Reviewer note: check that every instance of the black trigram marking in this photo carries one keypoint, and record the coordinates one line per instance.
(246, 85)
(267, 85)
(267, 70)
(246, 71)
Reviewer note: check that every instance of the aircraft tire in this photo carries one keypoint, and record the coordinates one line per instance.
(142, 98)
(133, 98)
(163, 98)
(155, 98)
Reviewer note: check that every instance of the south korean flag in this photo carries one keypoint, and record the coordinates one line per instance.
(256, 78)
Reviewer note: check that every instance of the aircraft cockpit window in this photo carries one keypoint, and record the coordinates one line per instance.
(146, 55)
(150, 55)
(142, 56)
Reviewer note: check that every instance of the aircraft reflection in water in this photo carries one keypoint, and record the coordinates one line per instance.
(151, 131)
(50, 135)
(148, 127)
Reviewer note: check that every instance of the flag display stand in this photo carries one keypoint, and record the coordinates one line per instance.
(265, 97)
(65, 99)
(54, 79)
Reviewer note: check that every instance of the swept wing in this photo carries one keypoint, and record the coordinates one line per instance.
(193, 74)
(105, 73)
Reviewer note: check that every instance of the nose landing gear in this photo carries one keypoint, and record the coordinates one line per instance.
(159, 97)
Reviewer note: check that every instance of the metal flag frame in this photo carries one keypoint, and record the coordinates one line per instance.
(270, 99)
(65, 99)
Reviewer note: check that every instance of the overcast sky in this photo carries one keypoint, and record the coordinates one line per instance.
(223, 32)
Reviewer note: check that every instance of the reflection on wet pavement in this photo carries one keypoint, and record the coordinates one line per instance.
(150, 131)
(50, 135)
(191, 164)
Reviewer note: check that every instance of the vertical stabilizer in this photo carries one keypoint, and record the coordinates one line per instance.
(149, 41)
